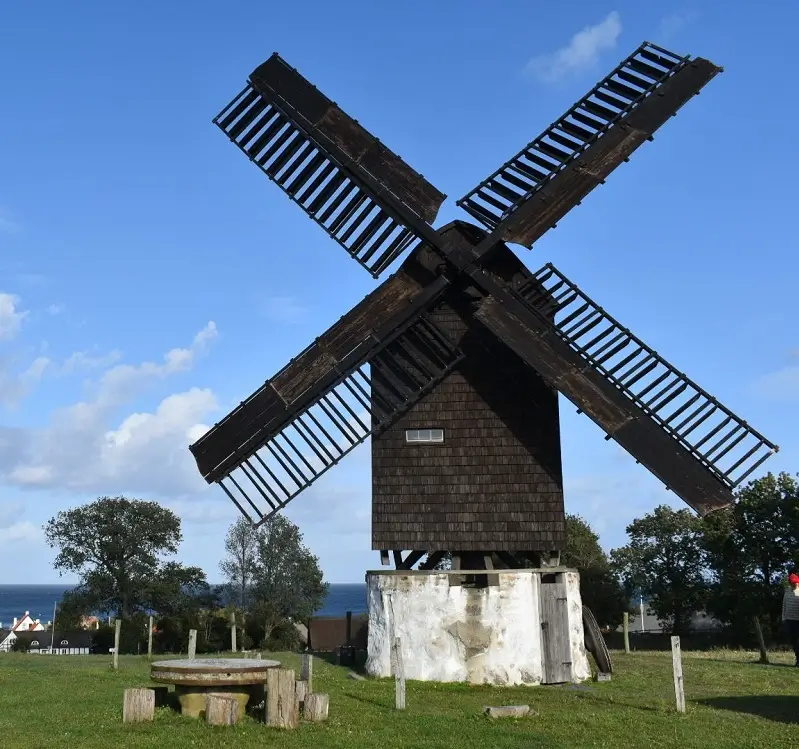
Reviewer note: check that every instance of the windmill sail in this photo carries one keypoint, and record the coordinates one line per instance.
(688, 439)
(300, 444)
(533, 190)
(370, 366)
(362, 194)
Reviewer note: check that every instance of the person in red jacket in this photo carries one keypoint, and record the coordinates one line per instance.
(790, 612)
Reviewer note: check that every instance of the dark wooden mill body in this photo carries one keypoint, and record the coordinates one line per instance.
(463, 337)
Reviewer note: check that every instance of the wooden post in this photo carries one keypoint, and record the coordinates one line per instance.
(221, 710)
(316, 707)
(192, 643)
(282, 708)
(117, 630)
(301, 687)
(399, 674)
(349, 628)
(761, 643)
(307, 670)
(150, 639)
(138, 705)
(676, 662)
(233, 633)
(626, 632)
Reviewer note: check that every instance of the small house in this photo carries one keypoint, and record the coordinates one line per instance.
(25, 623)
(72, 642)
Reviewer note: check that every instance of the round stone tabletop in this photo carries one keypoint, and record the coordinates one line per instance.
(212, 671)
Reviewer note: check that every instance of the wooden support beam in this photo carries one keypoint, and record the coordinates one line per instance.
(150, 638)
(397, 559)
(432, 560)
(192, 644)
(412, 558)
(384, 559)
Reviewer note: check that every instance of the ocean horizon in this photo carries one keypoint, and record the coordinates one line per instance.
(39, 600)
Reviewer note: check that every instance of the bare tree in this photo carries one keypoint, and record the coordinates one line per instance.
(238, 566)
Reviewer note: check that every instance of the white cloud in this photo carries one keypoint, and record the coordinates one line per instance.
(10, 512)
(23, 532)
(82, 361)
(55, 309)
(11, 316)
(87, 447)
(123, 382)
(672, 24)
(7, 222)
(781, 385)
(286, 309)
(14, 386)
(580, 54)
(219, 511)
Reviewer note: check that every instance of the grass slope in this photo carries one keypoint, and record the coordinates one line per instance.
(76, 701)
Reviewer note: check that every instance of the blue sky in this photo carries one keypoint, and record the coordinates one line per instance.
(151, 278)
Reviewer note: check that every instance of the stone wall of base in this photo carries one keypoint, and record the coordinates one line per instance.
(481, 635)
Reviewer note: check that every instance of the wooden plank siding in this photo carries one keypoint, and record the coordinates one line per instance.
(496, 482)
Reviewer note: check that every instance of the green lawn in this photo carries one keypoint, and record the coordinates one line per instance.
(76, 702)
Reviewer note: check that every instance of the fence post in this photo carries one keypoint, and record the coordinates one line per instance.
(117, 630)
(399, 674)
(676, 662)
(761, 643)
(150, 639)
(233, 632)
(626, 632)
(192, 643)
(307, 670)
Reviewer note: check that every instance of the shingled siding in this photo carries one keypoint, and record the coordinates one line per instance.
(496, 482)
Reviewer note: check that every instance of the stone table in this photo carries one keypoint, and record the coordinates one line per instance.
(240, 678)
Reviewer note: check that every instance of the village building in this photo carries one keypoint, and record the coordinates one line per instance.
(25, 623)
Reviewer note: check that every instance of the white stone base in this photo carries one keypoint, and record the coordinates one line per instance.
(489, 635)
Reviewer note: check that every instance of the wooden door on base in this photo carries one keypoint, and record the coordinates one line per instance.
(555, 645)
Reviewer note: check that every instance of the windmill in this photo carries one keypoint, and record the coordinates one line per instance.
(453, 364)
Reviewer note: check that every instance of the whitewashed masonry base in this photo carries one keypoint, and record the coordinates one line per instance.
(489, 635)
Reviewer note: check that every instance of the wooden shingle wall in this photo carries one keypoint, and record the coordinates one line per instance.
(495, 483)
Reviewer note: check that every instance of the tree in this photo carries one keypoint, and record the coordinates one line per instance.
(600, 588)
(116, 546)
(241, 546)
(750, 546)
(284, 582)
(583, 550)
(665, 561)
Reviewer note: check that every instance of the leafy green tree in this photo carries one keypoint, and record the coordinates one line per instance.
(583, 549)
(117, 547)
(666, 561)
(284, 582)
(241, 549)
(600, 589)
(750, 547)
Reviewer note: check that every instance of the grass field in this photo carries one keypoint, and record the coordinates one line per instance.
(76, 701)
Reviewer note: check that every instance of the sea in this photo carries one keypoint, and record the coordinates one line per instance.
(39, 600)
